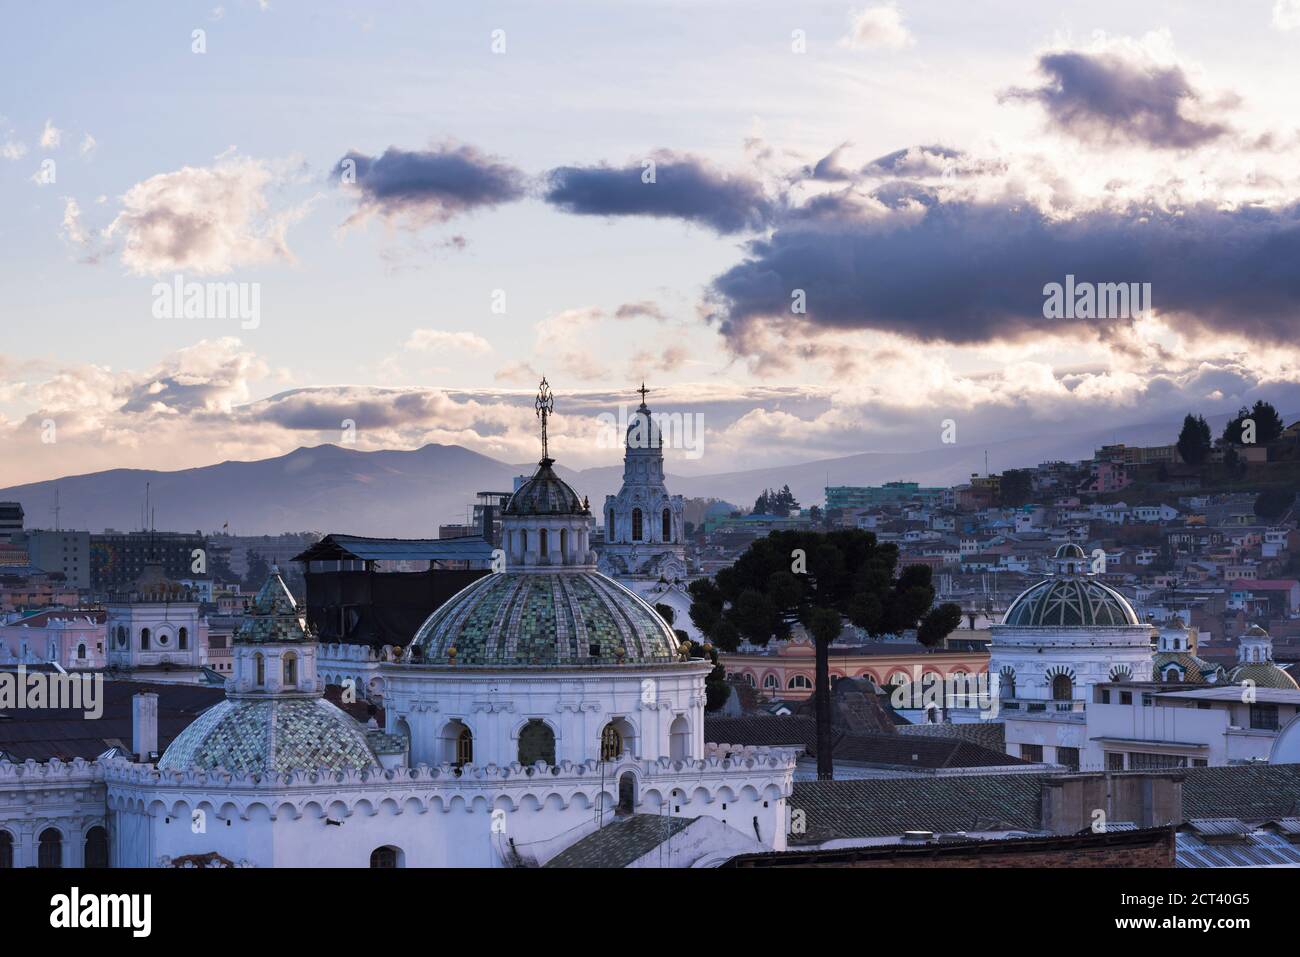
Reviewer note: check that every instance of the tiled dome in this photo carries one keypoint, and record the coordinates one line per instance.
(549, 619)
(250, 736)
(1070, 602)
(545, 494)
(1264, 674)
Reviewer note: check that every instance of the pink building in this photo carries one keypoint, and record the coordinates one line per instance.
(74, 637)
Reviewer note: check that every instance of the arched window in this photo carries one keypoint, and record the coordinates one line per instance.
(542, 544)
(96, 849)
(6, 850)
(1062, 688)
(769, 681)
(1007, 683)
(81, 651)
(383, 857)
(260, 664)
(121, 636)
(626, 793)
(144, 639)
(536, 743)
(749, 679)
(636, 525)
(668, 526)
(523, 542)
(1121, 673)
(800, 682)
(609, 527)
(290, 662)
(183, 639)
(50, 852)
(611, 743)
(464, 747)
(679, 739)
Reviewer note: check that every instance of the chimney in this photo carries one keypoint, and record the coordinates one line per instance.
(144, 725)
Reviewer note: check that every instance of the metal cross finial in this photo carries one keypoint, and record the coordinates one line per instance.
(643, 390)
(545, 406)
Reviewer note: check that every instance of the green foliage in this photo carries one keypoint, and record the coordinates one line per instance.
(666, 612)
(780, 503)
(1272, 503)
(1268, 424)
(1194, 440)
(716, 689)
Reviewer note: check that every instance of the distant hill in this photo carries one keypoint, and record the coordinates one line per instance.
(409, 493)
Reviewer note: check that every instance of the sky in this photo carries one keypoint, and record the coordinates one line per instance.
(816, 228)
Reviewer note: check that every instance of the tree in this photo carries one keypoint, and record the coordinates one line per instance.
(666, 612)
(1267, 425)
(819, 579)
(1272, 503)
(259, 570)
(763, 502)
(784, 502)
(1194, 440)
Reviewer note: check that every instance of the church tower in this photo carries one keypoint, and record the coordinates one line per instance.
(645, 535)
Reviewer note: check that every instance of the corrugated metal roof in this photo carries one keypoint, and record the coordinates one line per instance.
(1218, 826)
(1260, 849)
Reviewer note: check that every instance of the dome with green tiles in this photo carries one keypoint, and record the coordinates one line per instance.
(273, 615)
(538, 618)
(260, 736)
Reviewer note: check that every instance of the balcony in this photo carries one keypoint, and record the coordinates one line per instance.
(1043, 708)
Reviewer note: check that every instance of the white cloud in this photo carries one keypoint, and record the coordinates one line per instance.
(1286, 14)
(877, 28)
(437, 340)
(51, 136)
(205, 220)
(88, 145)
(13, 149)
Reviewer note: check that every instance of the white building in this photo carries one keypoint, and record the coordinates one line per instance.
(645, 531)
(156, 624)
(1059, 639)
(541, 706)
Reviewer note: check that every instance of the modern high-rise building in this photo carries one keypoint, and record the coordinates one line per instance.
(59, 551)
(11, 520)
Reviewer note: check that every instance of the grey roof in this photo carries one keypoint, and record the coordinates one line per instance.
(1262, 792)
(545, 494)
(622, 842)
(987, 734)
(886, 807)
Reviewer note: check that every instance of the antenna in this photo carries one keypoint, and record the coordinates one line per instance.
(55, 510)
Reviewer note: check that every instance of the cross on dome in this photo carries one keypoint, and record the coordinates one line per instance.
(643, 390)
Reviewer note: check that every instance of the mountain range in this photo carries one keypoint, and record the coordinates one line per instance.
(329, 488)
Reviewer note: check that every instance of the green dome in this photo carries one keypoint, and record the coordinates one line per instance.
(1070, 601)
(551, 619)
(271, 735)
(1264, 674)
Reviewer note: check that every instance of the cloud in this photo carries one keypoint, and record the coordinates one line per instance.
(88, 146)
(1122, 94)
(13, 149)
(420, 188)
(968, 272)
(437, 340)
(676, 186)
(1286, 15)
(878, 28)
(51, 136)
(640, 310)
(205, 220)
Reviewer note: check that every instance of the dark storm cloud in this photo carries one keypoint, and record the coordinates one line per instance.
(684, 188)
(430, 185)
(975, 272)
(1099, 97)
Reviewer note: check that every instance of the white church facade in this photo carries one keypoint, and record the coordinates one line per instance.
(537, 710)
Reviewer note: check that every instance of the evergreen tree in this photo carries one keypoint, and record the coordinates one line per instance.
(1194, 440)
